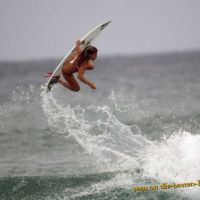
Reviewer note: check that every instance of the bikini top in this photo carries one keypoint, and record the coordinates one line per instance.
(72, 62)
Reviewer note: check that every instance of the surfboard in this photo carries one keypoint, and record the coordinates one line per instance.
(85, 41)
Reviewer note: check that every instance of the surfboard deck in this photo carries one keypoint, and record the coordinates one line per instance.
(85, 41)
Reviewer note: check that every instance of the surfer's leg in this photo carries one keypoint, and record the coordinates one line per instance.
(71, 83)
(65, 84)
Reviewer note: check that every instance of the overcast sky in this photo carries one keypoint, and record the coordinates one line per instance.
(35, 29)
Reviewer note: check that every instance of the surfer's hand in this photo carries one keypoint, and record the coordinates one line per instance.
(92, 85)
(78, 42)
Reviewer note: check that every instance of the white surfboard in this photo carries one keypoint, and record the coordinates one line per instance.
(85, 41)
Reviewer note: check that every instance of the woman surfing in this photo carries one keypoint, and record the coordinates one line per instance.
(81, 60)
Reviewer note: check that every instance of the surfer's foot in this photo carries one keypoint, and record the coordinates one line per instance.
(53, 81)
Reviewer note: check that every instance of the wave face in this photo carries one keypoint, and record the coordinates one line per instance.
(140, 127)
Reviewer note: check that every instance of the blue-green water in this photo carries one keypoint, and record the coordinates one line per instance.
(95, 186)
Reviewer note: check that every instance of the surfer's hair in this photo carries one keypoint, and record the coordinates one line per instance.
(85, 54)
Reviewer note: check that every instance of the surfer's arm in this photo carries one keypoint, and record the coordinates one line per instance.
(78, 47)
(82, 78)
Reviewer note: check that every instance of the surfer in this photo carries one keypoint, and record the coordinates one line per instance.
(81, 61)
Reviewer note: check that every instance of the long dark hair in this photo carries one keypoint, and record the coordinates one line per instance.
(85, 54)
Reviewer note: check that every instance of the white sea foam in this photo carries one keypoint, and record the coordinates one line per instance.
(116, 147)
(174, 159)
(98, 130)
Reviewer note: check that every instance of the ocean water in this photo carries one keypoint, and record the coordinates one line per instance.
(141, 127)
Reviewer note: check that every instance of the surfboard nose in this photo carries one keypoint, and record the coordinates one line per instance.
(104, 25)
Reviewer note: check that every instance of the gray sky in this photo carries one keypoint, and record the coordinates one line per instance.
(34, 29)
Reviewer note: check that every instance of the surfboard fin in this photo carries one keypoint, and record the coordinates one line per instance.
(49, 74)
